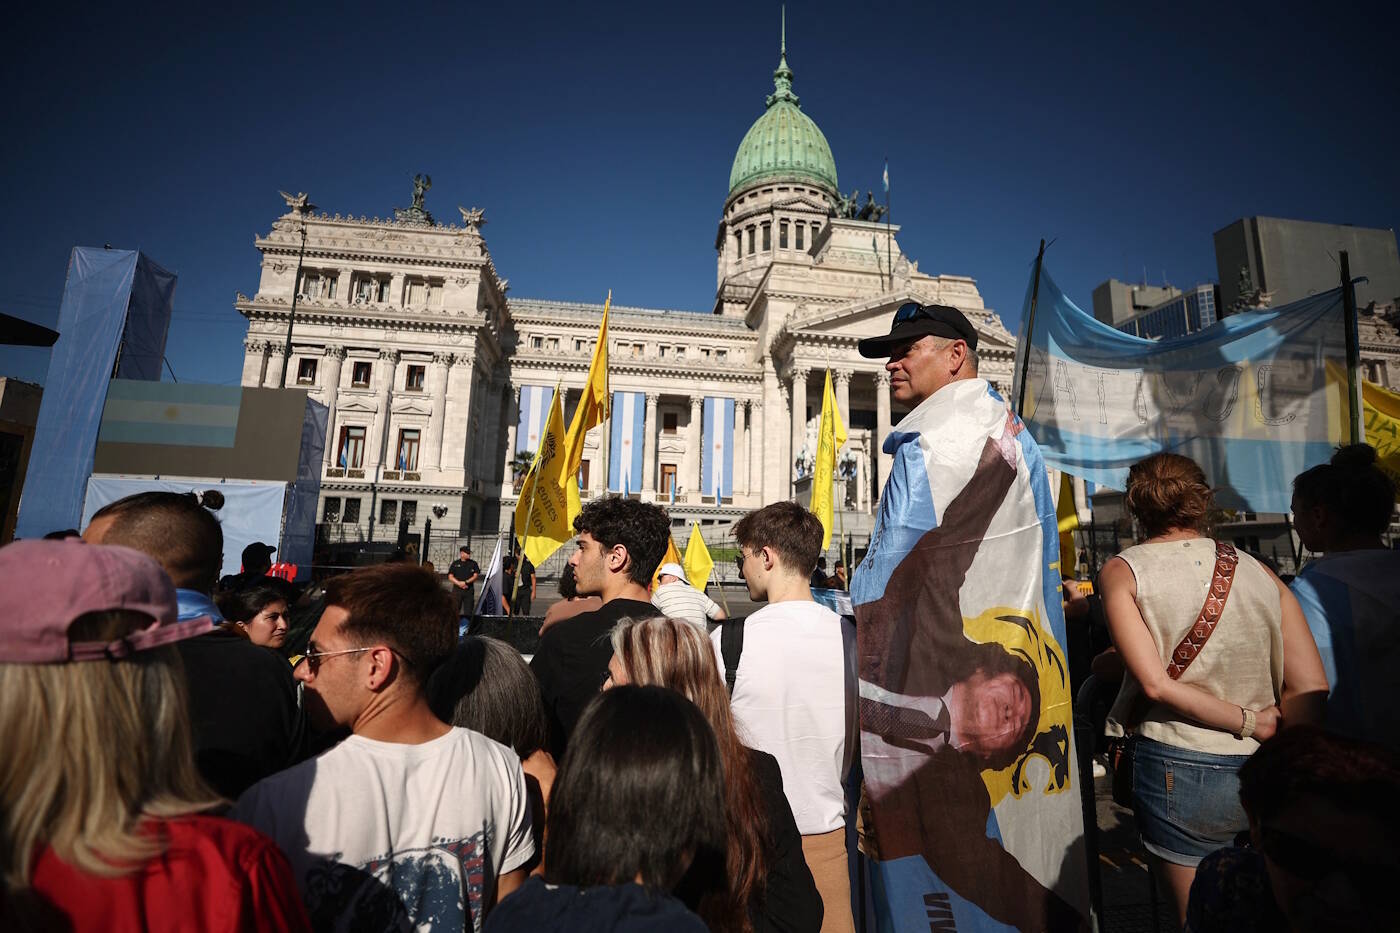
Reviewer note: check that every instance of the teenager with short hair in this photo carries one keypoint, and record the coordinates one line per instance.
(410, 821)
(794, 692)
(620, 543)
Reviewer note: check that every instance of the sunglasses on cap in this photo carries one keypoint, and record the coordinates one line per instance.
(912, 311)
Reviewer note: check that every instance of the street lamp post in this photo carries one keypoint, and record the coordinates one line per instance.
(303, 206)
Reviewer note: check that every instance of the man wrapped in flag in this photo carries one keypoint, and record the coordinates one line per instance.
(966, 735)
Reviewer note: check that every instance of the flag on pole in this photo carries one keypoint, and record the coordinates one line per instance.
(593, 405)
(1068, 518)
(345, 451)
(887, 176)
(1255, 399)
(830, 436)
(542, 515)
(1380, 409)
(673, 556)
(490, 603)
(697, 561)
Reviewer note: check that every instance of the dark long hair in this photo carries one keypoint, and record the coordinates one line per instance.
(485, 685)
(640, 792)
(670, 653)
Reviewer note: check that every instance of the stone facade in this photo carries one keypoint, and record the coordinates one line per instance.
(403, 328)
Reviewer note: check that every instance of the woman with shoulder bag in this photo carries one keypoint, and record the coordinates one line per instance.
(1218, 657)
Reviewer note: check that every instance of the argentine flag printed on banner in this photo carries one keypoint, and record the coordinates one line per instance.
(1255, 399)
(534, 408)
(717, 454)
(625, 453)
(959, 625)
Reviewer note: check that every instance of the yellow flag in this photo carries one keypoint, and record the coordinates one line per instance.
(542, 514)
(1380, 410)
(830, 436)
(1068, 517)
(593, 405)
(673, 556)
(697, 561)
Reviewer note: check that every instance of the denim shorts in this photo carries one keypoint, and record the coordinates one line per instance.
(1187, 803)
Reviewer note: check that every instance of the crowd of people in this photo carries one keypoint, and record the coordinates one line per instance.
(186, 752)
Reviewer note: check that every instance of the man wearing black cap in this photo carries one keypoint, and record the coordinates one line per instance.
(257, 562)
(929, 346)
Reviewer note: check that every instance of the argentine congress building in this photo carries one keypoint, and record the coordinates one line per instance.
(438, 379)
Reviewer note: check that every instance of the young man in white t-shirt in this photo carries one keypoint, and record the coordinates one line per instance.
(795, 690)
(408, 823)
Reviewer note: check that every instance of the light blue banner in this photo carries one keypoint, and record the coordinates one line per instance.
(1255, 398)
(625, 452)
(717, 453)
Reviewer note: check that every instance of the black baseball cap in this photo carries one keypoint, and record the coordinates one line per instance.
(257, 552)
(913, 321)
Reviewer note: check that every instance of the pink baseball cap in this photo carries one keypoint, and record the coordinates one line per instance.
(50, 584)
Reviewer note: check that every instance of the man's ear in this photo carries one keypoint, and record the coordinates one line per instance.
(618, 558)
(382, 669)
(770, 558)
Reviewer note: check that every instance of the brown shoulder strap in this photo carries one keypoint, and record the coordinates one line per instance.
(1196, 637)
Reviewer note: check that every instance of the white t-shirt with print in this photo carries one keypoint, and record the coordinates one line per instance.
(388, 836)
(795, 698)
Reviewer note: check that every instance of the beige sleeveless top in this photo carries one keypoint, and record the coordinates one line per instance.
(1242, 662)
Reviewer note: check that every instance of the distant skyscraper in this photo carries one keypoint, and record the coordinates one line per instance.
(1292, 259)
(1116, 302)
(1178, 316)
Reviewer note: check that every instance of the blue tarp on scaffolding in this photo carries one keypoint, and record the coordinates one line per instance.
(108, 293)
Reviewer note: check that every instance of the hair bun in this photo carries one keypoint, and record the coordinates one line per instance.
(1354, 457)
(211, 499)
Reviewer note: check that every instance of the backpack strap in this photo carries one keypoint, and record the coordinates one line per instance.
(731, 645)
(1209, 617)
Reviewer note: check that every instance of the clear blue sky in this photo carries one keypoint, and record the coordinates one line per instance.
(599, 137)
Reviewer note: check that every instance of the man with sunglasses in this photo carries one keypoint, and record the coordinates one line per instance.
(929, 346)
(408, 823)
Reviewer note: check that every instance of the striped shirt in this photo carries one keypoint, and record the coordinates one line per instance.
(680, 600)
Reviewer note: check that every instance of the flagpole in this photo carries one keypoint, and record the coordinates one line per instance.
(607, 407)
(888, 244)
(1030, 325)
(534, 492)
(1353, 349)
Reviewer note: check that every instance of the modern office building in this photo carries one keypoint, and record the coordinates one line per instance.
(1286, 260)
(1116, 302)
(1185, 313)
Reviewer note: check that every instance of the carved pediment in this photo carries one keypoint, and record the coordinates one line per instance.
(356, 405)
(412, 406)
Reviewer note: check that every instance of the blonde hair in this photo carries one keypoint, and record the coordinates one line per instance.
(92, 748)
(675, 654)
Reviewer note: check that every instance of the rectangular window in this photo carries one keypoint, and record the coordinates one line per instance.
(798, 231)
(383, 290)
(352, 447)
(721, 356)
(662, 351)
(668, 422)
(680, 353)
(417, 293)
(352, 512)
(435, 294)
(331, 513)
(751, 239)
(359, 374)
(536, 343)
(306, 371)
(413, 381)
(409, 512)
(782, 235)
(388, 511)
(738, 243)
(583, 474)
(365, 289)
(767, 237)
(408, 450)
(705, 352)
(668, 479)
(551, 343)
(580, 344)
(638, 350)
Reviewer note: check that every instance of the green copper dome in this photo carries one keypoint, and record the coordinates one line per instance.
(784, 143)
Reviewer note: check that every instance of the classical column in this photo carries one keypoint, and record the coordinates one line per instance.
(755, 445)
(437, 421)
(330, 385)
(843, 394)
(741, 456)
(782, 441)
(254, 362)
(649, 445)
(379, 441)
(272, 373)
(693, 440)
(799, 410)
(882, 427)
(512, 421)
(460, 383)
